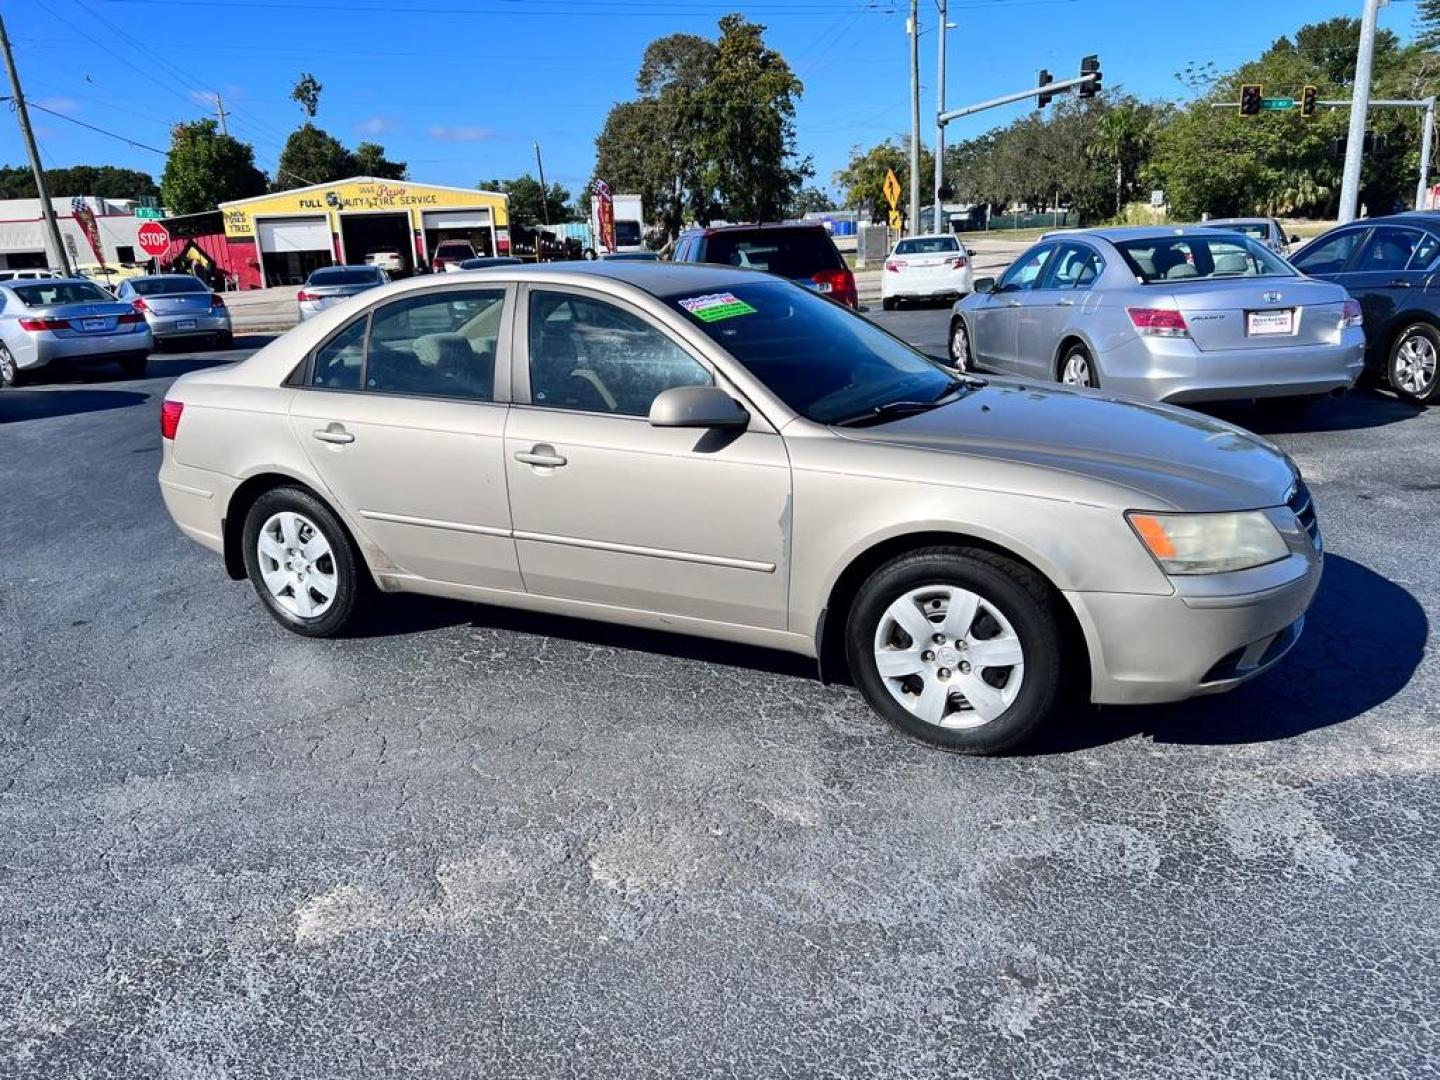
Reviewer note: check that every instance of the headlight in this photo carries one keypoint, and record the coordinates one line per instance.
(1209, 543)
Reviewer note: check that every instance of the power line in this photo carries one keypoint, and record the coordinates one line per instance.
(102, 131)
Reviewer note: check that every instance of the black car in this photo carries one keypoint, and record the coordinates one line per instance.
(1391, 265)
(800, 251)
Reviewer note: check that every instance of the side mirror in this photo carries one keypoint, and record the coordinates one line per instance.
(697, 407)
(985, 284)
(1294, 239)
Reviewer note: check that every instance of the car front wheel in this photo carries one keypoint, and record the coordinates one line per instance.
(959, 648)
(302, 563)
(1414, 368)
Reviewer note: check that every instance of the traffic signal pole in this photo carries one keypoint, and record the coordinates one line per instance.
(912, 221)
(1359, 110)
(1007, 99)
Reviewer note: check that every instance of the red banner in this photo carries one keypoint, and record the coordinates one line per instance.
(85, 218)
(605, 215)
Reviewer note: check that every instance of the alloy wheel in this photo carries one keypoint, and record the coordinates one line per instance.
(949, 656)
(297, 564)
(1416, 364)
(960, 346)
(1077, 370)
(8, 370)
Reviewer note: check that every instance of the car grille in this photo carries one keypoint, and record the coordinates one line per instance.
(1303, 507)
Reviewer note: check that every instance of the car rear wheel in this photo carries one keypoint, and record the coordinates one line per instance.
(133, 367)
(302, 563)
(888, 303)
(225, 340)
(1076, 367)
(1414, 368)
(960, 345)
(957, 647)
(9, 370)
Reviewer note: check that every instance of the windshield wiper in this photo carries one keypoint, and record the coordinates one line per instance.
(891, 410)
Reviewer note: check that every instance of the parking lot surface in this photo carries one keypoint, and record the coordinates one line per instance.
(480, 843)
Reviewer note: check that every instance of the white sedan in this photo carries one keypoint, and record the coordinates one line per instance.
(926, 268)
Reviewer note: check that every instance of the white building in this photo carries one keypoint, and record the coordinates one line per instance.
(22, 233)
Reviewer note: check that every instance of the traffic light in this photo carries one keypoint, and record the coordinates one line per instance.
(1090, 87)
(1307, 101)
(1250, 99)
(1046, 79)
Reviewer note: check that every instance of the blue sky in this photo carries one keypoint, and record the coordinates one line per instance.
(460, 89)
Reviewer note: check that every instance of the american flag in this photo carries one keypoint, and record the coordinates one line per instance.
(78, 205)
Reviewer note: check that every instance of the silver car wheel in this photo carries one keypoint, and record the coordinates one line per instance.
(297, 564)
(949, 656)
(960, 346)
(1077, 370)
(8, 368)
(1416, 364)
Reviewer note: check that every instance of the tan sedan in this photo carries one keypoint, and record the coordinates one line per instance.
(722, 453)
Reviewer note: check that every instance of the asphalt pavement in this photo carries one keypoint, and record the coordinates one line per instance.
(477, 843)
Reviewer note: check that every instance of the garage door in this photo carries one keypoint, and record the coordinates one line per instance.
(294, 234)
(478, 218)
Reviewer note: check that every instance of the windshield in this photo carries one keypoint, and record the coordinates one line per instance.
(816, 356)
(366, 275)
(163, 286)
(1192, 257)
(43, 294)
(627, 233)
(1256, 230)
(927, 245)
(793, 253)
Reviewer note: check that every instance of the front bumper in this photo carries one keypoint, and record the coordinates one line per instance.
(1174, 370)
(165, 327)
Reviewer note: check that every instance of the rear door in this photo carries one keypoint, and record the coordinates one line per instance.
(996, 319)
(1390, 273)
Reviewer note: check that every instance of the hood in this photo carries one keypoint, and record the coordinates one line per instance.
(1169, 457)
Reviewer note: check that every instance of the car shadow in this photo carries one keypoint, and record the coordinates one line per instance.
(410, 614)
(20, 405)
(1362, 408)
(1364, 638)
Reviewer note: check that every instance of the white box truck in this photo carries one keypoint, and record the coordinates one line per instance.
(629, 225)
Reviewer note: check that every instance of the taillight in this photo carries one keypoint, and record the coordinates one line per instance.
(139, 304)
(842, 286)
(170, 418)
(130, 318)
(303, 296)
(894, 266)
(956, 262)
(1158, 322)
(1351, 315)
(216, 300)
(44, 324)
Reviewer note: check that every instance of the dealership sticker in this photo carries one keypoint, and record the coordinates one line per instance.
(716, 306)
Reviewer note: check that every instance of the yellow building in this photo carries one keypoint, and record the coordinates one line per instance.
(296, 231)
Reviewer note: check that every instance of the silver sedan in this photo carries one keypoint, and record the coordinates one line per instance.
(67, 321)
(1177, 315)
(331, 284)
(179, 307)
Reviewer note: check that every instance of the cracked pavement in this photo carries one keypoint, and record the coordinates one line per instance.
(481, 843)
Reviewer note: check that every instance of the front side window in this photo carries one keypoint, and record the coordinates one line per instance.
(1330, 256)
(1026, 271)
(593, 356)
(1191, 256)
(437, 345)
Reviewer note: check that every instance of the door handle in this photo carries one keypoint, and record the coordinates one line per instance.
(541, 455)
(1399, 283)
(1012, 303)
(333, 433)
(1064, 303)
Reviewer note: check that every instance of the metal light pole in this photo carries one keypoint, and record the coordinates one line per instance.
(912, 219)
(940, 108)
(47, 210)
(1427, 138)
(1359, 108)
(544, 194)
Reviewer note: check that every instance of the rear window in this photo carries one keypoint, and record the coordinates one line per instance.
(791, 253)
(346, 276)
(927, 245)
(167, 286)
(627, 233)
(454, 247)
(1194, 257)
(60, 292)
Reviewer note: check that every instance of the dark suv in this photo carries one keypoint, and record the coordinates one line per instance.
(800, 251)
(1391, 265)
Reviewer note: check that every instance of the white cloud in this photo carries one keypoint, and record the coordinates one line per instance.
(203, 97)
(375, 125)
(58, 104)
(460, 133)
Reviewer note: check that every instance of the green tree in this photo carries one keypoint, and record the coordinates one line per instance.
(306, 93)
(529, 205)
(863, 178)
(205, 168)
(104, 181)
(369, 160)
(311, 156)
(810, 200)
(1427, 21)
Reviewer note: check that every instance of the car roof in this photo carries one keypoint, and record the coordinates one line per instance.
(1145, 232)
(930, 236)
(1235, 221)
(661, 279)
(765, 226)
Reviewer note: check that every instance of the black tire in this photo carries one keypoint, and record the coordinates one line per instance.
(888, 303)
(963, 358)
(225, 340)
(1078, 352)
(1018, 593)
(1399, 369)
(352, 579)
(9, 370)
(133, 366)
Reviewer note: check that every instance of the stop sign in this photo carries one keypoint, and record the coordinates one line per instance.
(153, 238)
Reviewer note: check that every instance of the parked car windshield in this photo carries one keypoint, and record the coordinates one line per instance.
(791, 253)
(165, 286)
(927, 245)
(345, 275)
(1256, 230)
(1191, 257)
(816, 356)
(45, 293)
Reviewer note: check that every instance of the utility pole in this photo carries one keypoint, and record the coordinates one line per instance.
(1427, 139)
(544, 193)
(940, 108)
(52, 227)
(913, 217)
(220, 111)
(1359, 110)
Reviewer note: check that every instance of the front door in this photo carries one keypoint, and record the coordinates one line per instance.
(611, 511)
(400, 420)
(997, 321)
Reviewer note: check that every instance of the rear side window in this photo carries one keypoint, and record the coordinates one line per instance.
(791, 253)
(339, 360)
(1391, 249)
(440, 345)
(1076, 267)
